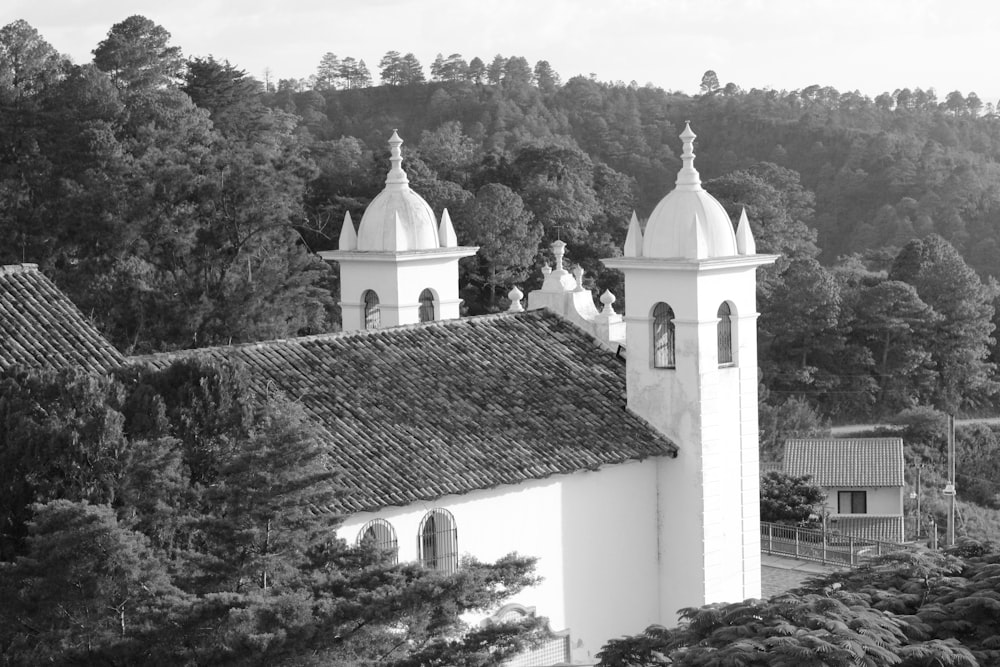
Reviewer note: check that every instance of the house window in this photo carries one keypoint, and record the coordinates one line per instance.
(852, 502)
(427, 306)
(663, 336)
(725, 334)
(437, 541)
(373, 318)
(379, 534)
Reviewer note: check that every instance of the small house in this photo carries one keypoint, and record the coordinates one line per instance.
(863, 481)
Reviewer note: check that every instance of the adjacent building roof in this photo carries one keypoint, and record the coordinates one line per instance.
(847, 462)
(40, 326)
(421, 411)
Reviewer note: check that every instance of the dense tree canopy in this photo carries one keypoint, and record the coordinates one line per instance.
(176, 517)
(883, 211)
(906, 609)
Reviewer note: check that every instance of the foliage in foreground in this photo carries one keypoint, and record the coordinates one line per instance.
(905, 609)
(173, 517)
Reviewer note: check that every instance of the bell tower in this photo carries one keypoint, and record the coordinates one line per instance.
(691, 367)
(401, 265)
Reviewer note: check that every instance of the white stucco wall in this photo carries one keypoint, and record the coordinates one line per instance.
(398, 279)
(710, 412)
(594, 534)
(881, 500)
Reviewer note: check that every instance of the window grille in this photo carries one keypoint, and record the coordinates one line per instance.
(373, 316)
(663, 337)
(437, 541)
(427, 306)
(725, 334)
(852, 502)
(552, 651)
(379, 534)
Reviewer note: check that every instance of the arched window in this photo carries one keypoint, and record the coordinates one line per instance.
(663, 337)
(725, 334)
(437, 541)
(380, 534)
(427, 306)
(373, 318)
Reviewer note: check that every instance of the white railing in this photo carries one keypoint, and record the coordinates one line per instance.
(822, 546)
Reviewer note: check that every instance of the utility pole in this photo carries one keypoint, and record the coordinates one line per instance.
(920, 467)
(949, 489)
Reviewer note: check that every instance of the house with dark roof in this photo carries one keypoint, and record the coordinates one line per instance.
(863, 481)
(619, 451)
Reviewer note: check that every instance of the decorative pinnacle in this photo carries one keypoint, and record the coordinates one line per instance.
(396, 174)
(607, 298)
(559, 249)
(688, 176)
(515, 295)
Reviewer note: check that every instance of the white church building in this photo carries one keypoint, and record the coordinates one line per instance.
(619, 451)
(634, 481)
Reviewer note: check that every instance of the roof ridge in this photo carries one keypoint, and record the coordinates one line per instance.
(358, 333)
(881, 438)
(24, 267)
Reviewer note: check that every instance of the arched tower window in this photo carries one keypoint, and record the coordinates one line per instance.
(427, 306)
(437, 541)
(663, 337)
(373, 318)
(380, 534)
(725, 334)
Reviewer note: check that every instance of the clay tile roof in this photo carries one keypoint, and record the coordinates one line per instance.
(40, 326)
(417, 412)
(847, 461)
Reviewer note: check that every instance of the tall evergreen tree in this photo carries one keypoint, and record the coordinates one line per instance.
(413, 71)
(961, 338)
(137, 57)
(328, 72)
(391, 69)
(506, 233)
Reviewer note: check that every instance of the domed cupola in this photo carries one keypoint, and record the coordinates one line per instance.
(400, 266)
(398, 218)
(689, 223)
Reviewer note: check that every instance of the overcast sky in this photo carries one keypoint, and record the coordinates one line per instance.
(866, 45)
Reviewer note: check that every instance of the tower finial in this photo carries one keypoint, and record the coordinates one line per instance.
(559, 249)
(688, 177)
(396, 174)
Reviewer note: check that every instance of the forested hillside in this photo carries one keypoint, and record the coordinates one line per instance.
(180, 202)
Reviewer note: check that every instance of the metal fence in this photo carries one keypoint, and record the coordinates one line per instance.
(822, 546)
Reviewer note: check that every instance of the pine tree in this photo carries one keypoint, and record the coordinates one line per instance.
(212, 540)
(391, 70)
(328, 72)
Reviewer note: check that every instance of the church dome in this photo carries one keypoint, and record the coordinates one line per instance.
(689, 223)
(398, 218)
